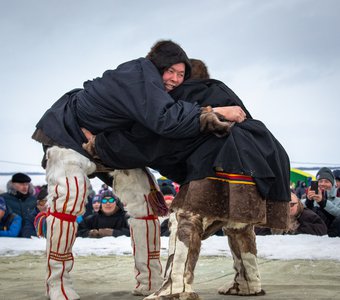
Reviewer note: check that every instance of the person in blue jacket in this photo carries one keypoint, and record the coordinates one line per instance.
(10, 223)
(20, 197)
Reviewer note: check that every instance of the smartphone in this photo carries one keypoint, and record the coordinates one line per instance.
(314, 186)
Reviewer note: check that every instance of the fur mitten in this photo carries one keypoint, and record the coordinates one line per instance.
(211, 122)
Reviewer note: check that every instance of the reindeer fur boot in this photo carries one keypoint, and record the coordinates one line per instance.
(247, 282)
(184, 247)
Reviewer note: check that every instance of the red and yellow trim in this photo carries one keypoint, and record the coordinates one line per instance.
(233, 178)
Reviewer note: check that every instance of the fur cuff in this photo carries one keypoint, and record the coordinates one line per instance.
(211, 122)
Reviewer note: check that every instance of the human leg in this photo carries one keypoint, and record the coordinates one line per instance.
(242, 243)
(184, 247)
(66, 175)
(133, 187)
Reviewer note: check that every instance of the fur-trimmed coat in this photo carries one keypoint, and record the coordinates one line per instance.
(18, 203)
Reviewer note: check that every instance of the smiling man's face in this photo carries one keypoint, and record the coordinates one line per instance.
(173, 76)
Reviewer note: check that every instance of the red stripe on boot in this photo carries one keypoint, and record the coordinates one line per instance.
(62, 282)
(76, 197)
(147, 242)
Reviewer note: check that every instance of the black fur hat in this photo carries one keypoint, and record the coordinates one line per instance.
(166, 53)
(21, 178)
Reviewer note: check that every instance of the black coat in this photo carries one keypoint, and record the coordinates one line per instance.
(308, 223)
(250, 149)
(131, 94)
(28, 229)
(311, 223)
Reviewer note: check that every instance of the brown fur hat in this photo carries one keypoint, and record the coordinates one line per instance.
(166, 53)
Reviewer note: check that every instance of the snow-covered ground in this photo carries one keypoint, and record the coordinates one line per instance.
(284, 247)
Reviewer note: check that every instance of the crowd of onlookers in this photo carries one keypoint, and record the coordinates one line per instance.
(314, 208)
(23, 209)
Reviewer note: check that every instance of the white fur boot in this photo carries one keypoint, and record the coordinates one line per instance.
(66, 175)
(145, 241)
(60, 238)
(133, 187)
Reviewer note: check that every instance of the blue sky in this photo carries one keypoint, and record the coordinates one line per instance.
(282, 58)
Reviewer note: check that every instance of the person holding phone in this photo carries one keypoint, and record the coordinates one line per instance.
(322, 200)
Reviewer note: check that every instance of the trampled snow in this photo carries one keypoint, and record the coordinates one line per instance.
(284, 247)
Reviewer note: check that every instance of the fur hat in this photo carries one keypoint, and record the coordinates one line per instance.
(96, 198)
(166, 189)
(166, 53)
(21, 178)
(106, 193)
(325, 173)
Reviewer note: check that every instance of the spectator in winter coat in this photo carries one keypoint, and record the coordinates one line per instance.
(95, 203)
(20, 197)
(10, 223)
(29, 229)
(111, 220)
(336, 174)
(165, 184)
(300, 190)
(302, 221)
(324, 202)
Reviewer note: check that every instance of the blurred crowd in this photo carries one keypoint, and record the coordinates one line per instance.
(314, 209)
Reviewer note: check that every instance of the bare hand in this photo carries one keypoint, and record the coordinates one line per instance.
(89, 147)
(231, 113)
(88, 134)
(311, 195)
